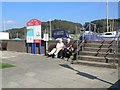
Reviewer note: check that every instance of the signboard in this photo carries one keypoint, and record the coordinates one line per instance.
(34, 31)
(37, 34)
(30, 34)
(33, 35)
(46, 37)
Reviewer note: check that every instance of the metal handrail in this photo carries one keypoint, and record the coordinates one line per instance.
(114, 45)
(95, 33)
(81, 45)
(82, 42)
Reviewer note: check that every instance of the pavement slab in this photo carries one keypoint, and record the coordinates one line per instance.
(38, 71)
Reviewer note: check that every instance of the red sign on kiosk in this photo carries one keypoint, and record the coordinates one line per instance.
(34, 22)
(34, 31)
(37, 41)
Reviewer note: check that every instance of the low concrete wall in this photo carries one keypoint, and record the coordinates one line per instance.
(19, 46)
(16, 45)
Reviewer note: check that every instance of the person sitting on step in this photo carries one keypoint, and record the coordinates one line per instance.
(68, 49)
(59, 46)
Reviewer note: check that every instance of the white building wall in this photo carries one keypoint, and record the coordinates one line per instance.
(4, 36)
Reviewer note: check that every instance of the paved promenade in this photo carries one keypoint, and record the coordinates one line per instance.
(37, 71)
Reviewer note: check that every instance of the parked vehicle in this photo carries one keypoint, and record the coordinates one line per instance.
(60, 34)
(111, 35)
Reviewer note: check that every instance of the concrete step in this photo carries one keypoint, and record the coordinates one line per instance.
(97, 54)
(118, 56)
(100, 42)
(95, 49)
(96, 64)
(94, 54)
(97, 59)
(119, 50)
(96, 45)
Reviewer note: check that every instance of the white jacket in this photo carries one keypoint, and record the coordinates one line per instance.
(60, 45)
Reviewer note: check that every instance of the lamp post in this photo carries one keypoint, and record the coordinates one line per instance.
(94, 27)
(3, 25)
(107, 14)
(50, 30)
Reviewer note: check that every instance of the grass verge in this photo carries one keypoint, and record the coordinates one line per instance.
(5, 65)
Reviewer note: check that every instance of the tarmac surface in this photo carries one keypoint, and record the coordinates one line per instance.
(38, 71)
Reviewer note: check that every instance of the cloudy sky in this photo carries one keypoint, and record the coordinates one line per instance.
(17, 14)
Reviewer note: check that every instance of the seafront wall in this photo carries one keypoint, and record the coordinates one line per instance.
(20, 46)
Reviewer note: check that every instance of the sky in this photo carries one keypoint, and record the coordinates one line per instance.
(17, 14)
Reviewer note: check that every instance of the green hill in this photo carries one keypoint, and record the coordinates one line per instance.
(55, 24)
(17, 32)
(66, 25)
(101, 25)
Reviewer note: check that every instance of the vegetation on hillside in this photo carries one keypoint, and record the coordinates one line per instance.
(66, 25)
(55, 24)
(101, 25)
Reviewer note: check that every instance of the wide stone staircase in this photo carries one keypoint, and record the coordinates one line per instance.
(100, 54)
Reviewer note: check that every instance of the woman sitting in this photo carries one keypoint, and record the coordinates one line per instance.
(68, 49)
(55, 51)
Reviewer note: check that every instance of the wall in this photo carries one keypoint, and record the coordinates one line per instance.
(18, 46)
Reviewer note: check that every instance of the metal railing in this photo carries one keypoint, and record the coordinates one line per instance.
(114, 42)
(113, 47)
(81, 44)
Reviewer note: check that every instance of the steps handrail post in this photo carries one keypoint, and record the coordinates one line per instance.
(82, 40)
(77, 41)
(117, 32)
(115, 45)
(117, 42)
(89, 30)
(114, 53)
(116, 39)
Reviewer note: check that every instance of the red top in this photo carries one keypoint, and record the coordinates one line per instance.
(34, 22)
